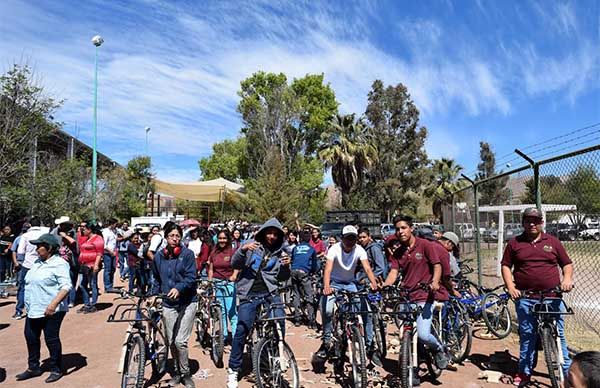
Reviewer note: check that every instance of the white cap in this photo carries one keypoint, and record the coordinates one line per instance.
(62, 220)
(349, 229)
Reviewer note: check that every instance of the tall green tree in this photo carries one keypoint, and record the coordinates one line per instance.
(445, 180)
(553, 189)
(398, 177)
(229, 160)
(347, 149)
(495, 191)
(583, 186)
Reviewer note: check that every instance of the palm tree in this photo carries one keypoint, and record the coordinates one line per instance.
(347, 150)
(445, 180)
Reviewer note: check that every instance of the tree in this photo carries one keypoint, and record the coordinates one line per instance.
(396, 180)
(229, 160)
(347, 150)
(495, 191)
(553, 190)
(445, 180)
(583, 186)
(282, 118)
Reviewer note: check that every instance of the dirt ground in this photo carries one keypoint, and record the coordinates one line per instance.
(92, 347)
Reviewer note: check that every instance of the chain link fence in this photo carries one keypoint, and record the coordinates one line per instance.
(487, 214)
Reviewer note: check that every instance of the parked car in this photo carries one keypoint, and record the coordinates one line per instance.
(590, 232)
(568, 232)
(387, 230)
(510, 231)
(466, 231)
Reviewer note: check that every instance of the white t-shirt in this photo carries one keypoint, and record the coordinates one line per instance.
(195, 246)
(157, 242)
(110, 239)
(344, 264)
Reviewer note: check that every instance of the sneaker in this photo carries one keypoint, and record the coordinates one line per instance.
(89, 310)
(188, 382)
(82, 309)
(71, 305)
(232, 378)
(521, 379)
(28, 374)
(18, 316)
(175, 380)
(441, 360)
(54, 376)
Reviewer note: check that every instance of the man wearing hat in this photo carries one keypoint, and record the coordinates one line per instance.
(450, 241)
(531, 262)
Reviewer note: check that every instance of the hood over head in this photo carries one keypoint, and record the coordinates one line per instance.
(272, 223)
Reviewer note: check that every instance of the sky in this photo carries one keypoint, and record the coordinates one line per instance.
(511, 73)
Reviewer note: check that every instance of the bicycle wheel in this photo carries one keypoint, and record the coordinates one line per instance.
(217, 336)
(551, 356)
(200, 332)
(159, 350)
(458, 334)
(496, 315)
(379, 329)
(134, 362)
(399, 307)
(358, 359)
(271, 369)
(432, 367)
(405, 360)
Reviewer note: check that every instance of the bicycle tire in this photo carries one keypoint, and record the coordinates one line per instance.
(358, 358)
(459, 337)
(159, 349)
(217, 336)
(265, 365)
(496, 315)
(405, 360)
(380, 340)
(551, 356)
(133, 365)
(397, 319)
(434, 371)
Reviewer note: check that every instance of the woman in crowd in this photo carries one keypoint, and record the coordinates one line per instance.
(236, 239)
(331, 241)
(47, 285)
(135, 263)
(194, 242)
(91, 249)
(174, 269)
(219, 268)
(202, 259)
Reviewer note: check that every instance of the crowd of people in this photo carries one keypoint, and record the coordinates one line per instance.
(249, 264)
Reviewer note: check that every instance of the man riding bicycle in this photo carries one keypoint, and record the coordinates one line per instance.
(419, 264)
(534, 258)
(340, 269)
(263, 265)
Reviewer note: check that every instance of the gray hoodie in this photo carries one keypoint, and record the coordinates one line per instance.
(249, 262)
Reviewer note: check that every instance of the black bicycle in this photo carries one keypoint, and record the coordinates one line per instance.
(273, 361)
(546, 313)
(145, 339)
(208, 321)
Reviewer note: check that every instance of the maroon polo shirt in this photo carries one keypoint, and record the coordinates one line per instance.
(416, 263)
(444, 256)
(535, 264)
(221, 261)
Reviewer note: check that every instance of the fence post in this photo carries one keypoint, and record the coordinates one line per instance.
(536, 178)
(453, 213)
(476, 229)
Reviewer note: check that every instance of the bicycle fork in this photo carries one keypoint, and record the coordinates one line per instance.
(283, 363)
(124, 349)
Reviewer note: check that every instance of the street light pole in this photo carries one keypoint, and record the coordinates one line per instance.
(147, 131)
(97, 41)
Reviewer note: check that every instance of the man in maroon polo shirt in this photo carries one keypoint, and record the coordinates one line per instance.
(534, 258)
(419, 264)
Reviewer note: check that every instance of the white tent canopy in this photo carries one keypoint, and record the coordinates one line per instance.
(205, 191)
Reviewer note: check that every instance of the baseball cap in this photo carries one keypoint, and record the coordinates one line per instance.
(348, 230)
(46, 239)
(451, 236)
(62, 220)
(532, 212)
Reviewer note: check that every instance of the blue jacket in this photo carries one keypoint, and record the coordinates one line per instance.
(304, 257)
(249, 262)
(175, 272)
(377, 260)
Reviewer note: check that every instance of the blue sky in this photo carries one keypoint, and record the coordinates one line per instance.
(512, 73)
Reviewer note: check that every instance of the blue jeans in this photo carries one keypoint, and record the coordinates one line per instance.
(50, 325)
(225, 293)
(367, 319)
(327, 303)
(21, 291)
(528, 333)
(246, 317)
(92, 279)
(424, 327)
(76, 278)
(109, 271)
(123, 272)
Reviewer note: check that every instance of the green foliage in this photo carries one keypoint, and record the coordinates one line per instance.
(553, 189)
(494, 192)
(229, 160)
(445, 179)
(583, 186)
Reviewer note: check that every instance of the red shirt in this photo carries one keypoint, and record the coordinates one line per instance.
(416, 263)
(90, 249)
(202, 258)
(221, 261)
(318, 246)
(535, 264)
(444, 256)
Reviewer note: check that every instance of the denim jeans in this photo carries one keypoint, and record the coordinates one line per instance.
(50, 325)
(225, 293)
(123, 268)
(246, 317)
(367, 318)
(90, 279)
(303, 292)
(76, 281)
(109, 271)
(424, 327)
(21, 291)
(528, 333)
(5, 268)
(327, 303)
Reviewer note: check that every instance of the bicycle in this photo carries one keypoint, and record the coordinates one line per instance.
(454, 326)
(143, 342)
(208, 321)
(8, 288)
(273, 361)
(547, 329)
